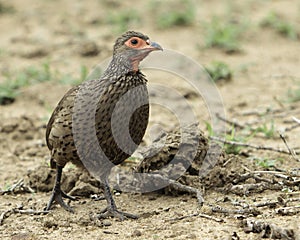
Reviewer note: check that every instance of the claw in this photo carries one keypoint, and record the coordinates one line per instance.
(108, 212)
(58, 195)
(111, 209)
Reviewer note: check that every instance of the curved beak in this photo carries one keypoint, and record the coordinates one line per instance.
(155, 46)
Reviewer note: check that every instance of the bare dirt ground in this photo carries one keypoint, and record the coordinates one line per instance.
(256, 185)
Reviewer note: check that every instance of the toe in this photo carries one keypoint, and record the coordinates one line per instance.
(63, 194)
(115, 214)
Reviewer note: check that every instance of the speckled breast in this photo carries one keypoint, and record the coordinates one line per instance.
(122, 120)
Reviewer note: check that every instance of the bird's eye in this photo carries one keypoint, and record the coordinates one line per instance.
(134, 41)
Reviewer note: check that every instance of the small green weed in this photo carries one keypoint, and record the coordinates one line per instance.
(209, 129)
(293, 95)
(231, 148)
(265, 162)
(219, 71)
(231, 137)
(286, 190)
(173, 13)
(6, 8)
(7, 94)
(2, 52)
(284, 28)
(224, 34)
(7, 186)
(269, 131)
(133, 159)
(9, 89)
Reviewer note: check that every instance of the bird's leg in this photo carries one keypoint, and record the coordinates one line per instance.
(58, 194)
(111, 209)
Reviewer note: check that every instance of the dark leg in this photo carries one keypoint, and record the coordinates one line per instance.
(111, 209)
(58, 194)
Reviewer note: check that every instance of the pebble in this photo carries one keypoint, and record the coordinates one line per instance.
(106, 223)
(88, 49)
(35, 53)
(136, 233)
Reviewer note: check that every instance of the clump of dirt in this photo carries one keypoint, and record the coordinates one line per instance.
(76, 182)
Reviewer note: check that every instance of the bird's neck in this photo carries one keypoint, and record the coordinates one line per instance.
(122, 66)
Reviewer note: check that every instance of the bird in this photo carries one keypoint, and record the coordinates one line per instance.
(121, 86)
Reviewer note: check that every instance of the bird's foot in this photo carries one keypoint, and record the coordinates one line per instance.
(111, 212)
(57, 196)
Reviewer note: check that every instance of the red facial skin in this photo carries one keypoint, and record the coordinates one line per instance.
(139, 44)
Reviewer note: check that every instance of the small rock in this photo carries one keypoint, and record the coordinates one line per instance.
(136, 233)
(50, 224)
(152, 198)
(192, 236)
(24, 236)
(250, 181)
(106, 223)
(35, 53)
(88, 49)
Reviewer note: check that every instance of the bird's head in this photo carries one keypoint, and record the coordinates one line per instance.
(131, 48)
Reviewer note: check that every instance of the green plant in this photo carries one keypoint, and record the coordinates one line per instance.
(2, 52)
(224, 34)
(265, 162)
(219, 71)
(231, 148)
(6, 8)
(9, 89)
(7, 94)
(209, 129)
(268, 130)
(286, 190)
(284, 28)
(173, 13)
(122, 20)
(133, 159)
(28, 76)
(293, 95)
(7, 186)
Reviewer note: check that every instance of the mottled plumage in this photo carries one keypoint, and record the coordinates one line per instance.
(59, 133)
(113, 96)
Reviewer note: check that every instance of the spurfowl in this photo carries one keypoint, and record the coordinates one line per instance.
(121, 87)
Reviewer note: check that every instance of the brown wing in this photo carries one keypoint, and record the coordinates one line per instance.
(66, 101)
